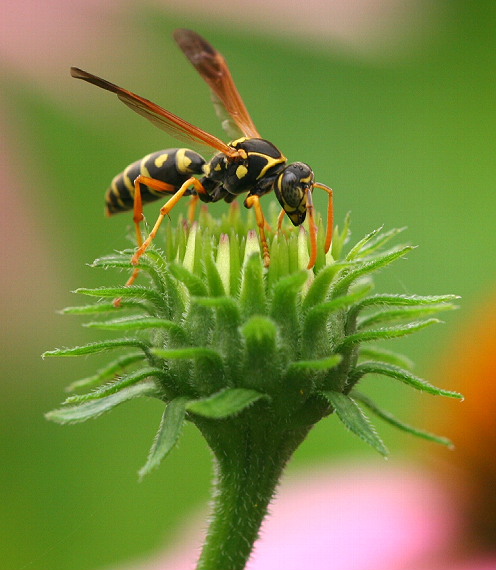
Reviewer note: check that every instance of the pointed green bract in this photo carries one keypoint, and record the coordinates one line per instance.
(354, 419)
(318, 364)
(366, 267)
(226, 403)
(168, 434)
(252, 299)
(103, 307)
(94, 408)
(96, 347)
(387, 356)
(109, 371)
(132, 292)
(403, 375)
(400, 314)
(193, 283)
(388, 417)
(117, 385)
(140, 323)
(319, 288)
(386, 333)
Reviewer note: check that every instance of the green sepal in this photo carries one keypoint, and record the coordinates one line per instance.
(209, 369)
(223, 262)
(315, 339)
(96, 347)
(410, 307)
(401, 314)
(357, 249)
(261, 359)
(189, 353)
(234, 264)
(122, 260)
(341, 237)
(227, 335)
(226, 403)
(300, 380)
(372, 242)
(226, 307)
(131, 292)
(188, 256)
(116, 385)
(315, 365)
(214, 280)
(383, 355)
(167, 285)
(369, 266)
(385, 333)
(94, 408)
(279, 262)
(105, 307)
(389, 418)
(319, 288)
(252, 298)
(284, 308)
(405, 300)
(109, 371)
(193, 283)
(168, 434)
(293, 253)
(354, 419)
(137, 322)
(399, 374)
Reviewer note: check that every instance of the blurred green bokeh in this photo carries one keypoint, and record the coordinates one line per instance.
(406, 142)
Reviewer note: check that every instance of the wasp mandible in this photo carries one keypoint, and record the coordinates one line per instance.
(247, 165)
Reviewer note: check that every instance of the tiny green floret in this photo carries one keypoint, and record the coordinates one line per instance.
(252, 356)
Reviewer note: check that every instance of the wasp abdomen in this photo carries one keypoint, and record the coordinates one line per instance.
(172, 166)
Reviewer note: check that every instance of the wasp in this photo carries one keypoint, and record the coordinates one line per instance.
(248, 164)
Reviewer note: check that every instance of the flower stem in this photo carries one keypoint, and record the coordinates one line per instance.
(248, 469)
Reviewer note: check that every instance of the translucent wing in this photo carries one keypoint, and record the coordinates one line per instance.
(163, 119)
(212, 66)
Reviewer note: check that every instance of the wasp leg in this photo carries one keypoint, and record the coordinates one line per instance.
(312, 226)
(138, 216)
(192, 208)
(254, 201)
(280, 220)
(330, 215)
(156, 185)
(165, 210)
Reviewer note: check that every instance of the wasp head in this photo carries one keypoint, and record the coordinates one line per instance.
(292, 189)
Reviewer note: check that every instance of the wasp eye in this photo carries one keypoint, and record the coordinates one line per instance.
(291, 189)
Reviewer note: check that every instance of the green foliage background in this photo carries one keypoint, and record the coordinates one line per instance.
(405, 142)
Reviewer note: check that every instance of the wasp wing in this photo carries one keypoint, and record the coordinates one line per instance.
(165, 120)
(212, 66)
(229, 125)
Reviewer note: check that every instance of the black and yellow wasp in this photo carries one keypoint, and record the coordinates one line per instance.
(249, 164)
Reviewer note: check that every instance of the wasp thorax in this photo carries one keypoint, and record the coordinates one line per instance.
(291, 190)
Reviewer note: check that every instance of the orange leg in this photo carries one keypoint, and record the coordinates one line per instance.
(254, 201)
(192, 208)
(138, 216)
(312, 226)
(165, 210)
(280, 220)
(330, 215)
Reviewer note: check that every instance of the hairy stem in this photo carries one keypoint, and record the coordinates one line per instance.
(248, 469)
